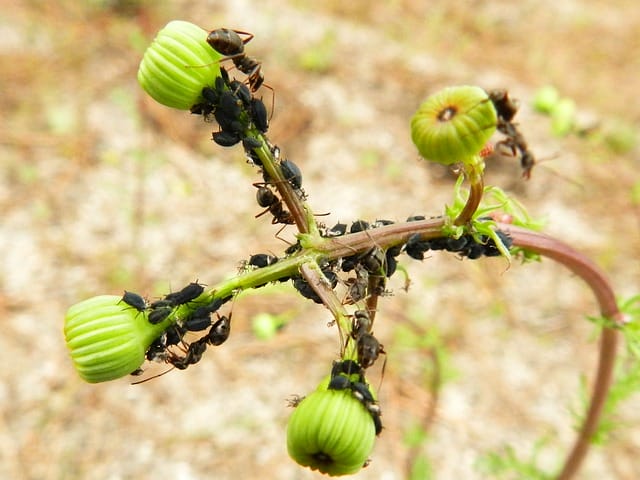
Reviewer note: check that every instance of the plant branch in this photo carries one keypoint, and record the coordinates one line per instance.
(312, 273)
(295, 205)
(601, 288)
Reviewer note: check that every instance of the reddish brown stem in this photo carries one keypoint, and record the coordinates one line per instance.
(599, 284)
(476, 191)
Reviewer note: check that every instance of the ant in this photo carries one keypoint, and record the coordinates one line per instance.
(229, 43)
(368, 346)
(506, 109)
(272, 204)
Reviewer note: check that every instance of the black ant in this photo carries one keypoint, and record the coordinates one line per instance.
(229, 43)
(272, 204)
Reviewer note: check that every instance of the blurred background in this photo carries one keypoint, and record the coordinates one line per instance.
(103, 190)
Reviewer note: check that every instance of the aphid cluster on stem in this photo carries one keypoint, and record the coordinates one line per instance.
(171, 347)
(465, 246)
(235, 109)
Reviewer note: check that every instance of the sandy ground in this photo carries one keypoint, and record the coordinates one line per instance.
(102, 190)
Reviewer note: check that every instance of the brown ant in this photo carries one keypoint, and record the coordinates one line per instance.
(506, 109)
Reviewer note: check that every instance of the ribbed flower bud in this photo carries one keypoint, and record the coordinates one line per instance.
(107, 338)
(453, 125)
(332, 432)
(178, 64)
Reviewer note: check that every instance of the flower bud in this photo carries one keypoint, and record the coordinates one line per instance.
(332, 432)
(178, 64)
(563, 117)
(453, 125)
(107, 338)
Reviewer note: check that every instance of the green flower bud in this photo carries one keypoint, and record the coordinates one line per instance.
(107, 338)
(453, 125)
(545, 99)
(332, 432)
(563, 117)
(178, 64)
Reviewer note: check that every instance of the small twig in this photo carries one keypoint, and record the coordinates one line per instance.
(312, 273)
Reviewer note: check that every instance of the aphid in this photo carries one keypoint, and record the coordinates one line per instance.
(259, 115)
(337, 230)
(199, 320)
(134, 300)
(382, 223)
(341, 380)
(457, 244)
(158, 314)
(241, 91)
(249, 143)
(438, 243)
(261, 260)
(231, 45)
(416, 247)
(187, 294)
(491, 249)
(392, 252)
(373, 260)
(228, 111)
(160, 303)
(390, 264)
(359, 226)
(473, 251)
(348, 367)
(292, 174)
(307, 291)
(225, 138)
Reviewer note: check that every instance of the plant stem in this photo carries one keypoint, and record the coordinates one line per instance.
(312, 273)
(473, 171)
(601, 288)
(295, 205)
